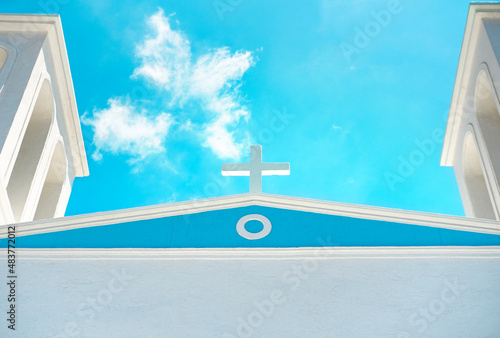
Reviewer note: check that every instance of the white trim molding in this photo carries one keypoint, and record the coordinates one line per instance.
(320, 253)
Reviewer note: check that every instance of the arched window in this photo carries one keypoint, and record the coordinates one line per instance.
(53, 185)
(31, 149)
(475, 180)
(488, 118)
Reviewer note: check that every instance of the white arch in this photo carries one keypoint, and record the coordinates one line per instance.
(488, 118)
(34, 139)
(475, 181)
(54, 181)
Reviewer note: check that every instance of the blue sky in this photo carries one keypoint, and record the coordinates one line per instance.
(354, 94)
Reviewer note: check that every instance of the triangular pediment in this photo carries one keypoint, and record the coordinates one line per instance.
(293, 222)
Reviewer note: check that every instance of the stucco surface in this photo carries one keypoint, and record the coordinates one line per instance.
(316, 292)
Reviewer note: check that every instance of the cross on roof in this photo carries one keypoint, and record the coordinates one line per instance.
(255, 169)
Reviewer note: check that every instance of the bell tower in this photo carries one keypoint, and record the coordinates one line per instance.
(41, 144)
(472, 141)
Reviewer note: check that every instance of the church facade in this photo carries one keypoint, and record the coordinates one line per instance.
(200, 268)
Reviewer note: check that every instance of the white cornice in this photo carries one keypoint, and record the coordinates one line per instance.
(51, 25)
(319, 253)
(266, 200)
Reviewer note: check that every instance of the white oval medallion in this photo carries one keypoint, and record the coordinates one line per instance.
(240, 226)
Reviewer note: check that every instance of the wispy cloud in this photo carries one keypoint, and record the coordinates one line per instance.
(165, 58)
(218, 136)
(120, 128)
(210, 82)
(335, 127)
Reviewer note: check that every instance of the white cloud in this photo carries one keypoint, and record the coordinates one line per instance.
(217, 70)
(212, 80)
(120, 128)
(165, 58)
(219, 138)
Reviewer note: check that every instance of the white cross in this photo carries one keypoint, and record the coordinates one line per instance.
(255, 169)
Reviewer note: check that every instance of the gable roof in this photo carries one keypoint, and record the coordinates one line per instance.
(306, 219)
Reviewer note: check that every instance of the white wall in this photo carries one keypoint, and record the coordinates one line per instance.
(474, 115)
(320, 292)
(39, 115)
